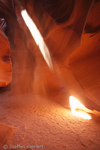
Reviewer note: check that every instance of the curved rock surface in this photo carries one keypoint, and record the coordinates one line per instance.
(62, 30)
(5, 61)
(73, 41)
(85, 61)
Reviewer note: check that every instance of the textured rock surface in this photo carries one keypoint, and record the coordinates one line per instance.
(62, 39)
(85, 61)
(71, 76)
(28, 105)
(5, 133)
(5, 61)
(7, 12)
(42, 122)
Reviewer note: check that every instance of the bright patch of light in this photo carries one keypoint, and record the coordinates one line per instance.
(75, 104)
(38, 38)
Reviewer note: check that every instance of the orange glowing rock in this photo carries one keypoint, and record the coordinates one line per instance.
(5, 62)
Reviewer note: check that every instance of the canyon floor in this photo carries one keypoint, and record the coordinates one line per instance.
(38, 123)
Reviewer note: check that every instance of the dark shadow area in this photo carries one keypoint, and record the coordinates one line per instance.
(97, 1)
(90, 29)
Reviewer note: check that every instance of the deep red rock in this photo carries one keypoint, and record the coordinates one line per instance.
(5, 60)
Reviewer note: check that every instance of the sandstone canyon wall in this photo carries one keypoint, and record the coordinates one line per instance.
(73, 41)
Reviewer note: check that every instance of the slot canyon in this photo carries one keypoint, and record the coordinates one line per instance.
(36, 86)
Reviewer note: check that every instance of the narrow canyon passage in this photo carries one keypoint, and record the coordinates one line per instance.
(41, 68)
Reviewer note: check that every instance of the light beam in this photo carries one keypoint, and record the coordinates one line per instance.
(75, 104)
(37, 37)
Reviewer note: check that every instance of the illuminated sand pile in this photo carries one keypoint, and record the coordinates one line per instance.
(75, 104)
